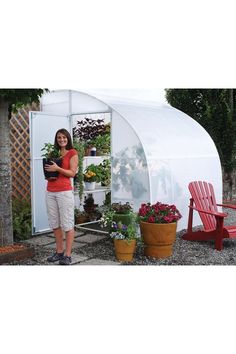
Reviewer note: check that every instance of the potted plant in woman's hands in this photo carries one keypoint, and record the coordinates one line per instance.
(158, 223)
(50, 153)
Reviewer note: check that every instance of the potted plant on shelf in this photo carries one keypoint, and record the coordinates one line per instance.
(89, 180)
(102, 144)
(97, 169)
(50, 153)
(88, 129)
(90, 208)
(158, 223)
(105, 172)
(80, 216)
(122, 232)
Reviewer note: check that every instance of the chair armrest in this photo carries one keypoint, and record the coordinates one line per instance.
(213, 213)
(230, 206)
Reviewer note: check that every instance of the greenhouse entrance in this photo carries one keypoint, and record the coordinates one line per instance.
(42, 130)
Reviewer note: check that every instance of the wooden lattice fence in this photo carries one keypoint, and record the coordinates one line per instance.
(20, 152)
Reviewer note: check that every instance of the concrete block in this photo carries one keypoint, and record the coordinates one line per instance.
(75, 245)
(39, 240)
(90, 238)
(96, 261)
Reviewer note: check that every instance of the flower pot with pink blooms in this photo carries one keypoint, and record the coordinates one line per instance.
(158, 223)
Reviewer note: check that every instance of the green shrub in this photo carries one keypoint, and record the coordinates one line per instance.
(21, 215)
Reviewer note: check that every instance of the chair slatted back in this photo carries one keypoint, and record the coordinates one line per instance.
(204, 198)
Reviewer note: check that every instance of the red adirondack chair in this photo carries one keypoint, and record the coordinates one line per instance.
(204, 202)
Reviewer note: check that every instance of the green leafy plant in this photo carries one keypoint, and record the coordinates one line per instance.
(21, 216)
(119, 230)
(79, 178)
(107, 201)
(102, 144)
(215, 110)
(95, 169)
(105, 172)
(50, 151)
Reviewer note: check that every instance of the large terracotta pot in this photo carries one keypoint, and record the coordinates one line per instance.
(124, 250)
(158, 239)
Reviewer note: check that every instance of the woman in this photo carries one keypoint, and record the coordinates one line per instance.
(60, 198)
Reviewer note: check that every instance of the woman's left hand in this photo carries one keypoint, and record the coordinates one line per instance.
(52, 168)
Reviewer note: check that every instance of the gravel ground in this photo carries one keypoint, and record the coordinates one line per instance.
(184, 252)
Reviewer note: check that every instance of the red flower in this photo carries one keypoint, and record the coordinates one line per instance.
(151, 219)
(158, 213)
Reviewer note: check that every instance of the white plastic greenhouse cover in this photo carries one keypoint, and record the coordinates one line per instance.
(156, 149)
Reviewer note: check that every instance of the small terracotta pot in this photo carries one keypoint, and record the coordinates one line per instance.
(158, 239)
(80, 219)
(124, 250)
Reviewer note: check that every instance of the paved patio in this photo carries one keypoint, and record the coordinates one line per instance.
(46, 244)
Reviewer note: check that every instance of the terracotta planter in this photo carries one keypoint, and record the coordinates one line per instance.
(158, 239)
(124, 250)
(80, 219)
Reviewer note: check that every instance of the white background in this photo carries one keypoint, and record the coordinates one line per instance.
(125, 44)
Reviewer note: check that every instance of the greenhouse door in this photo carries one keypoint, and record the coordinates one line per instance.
(43, 127)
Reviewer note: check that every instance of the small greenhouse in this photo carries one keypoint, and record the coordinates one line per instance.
(156, 150)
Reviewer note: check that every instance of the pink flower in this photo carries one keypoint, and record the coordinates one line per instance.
(151, 219)
(158, 213)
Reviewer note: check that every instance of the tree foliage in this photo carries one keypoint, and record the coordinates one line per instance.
(16, 98)
(213, 109)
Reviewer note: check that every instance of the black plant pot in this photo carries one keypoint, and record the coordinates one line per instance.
(51, 175)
